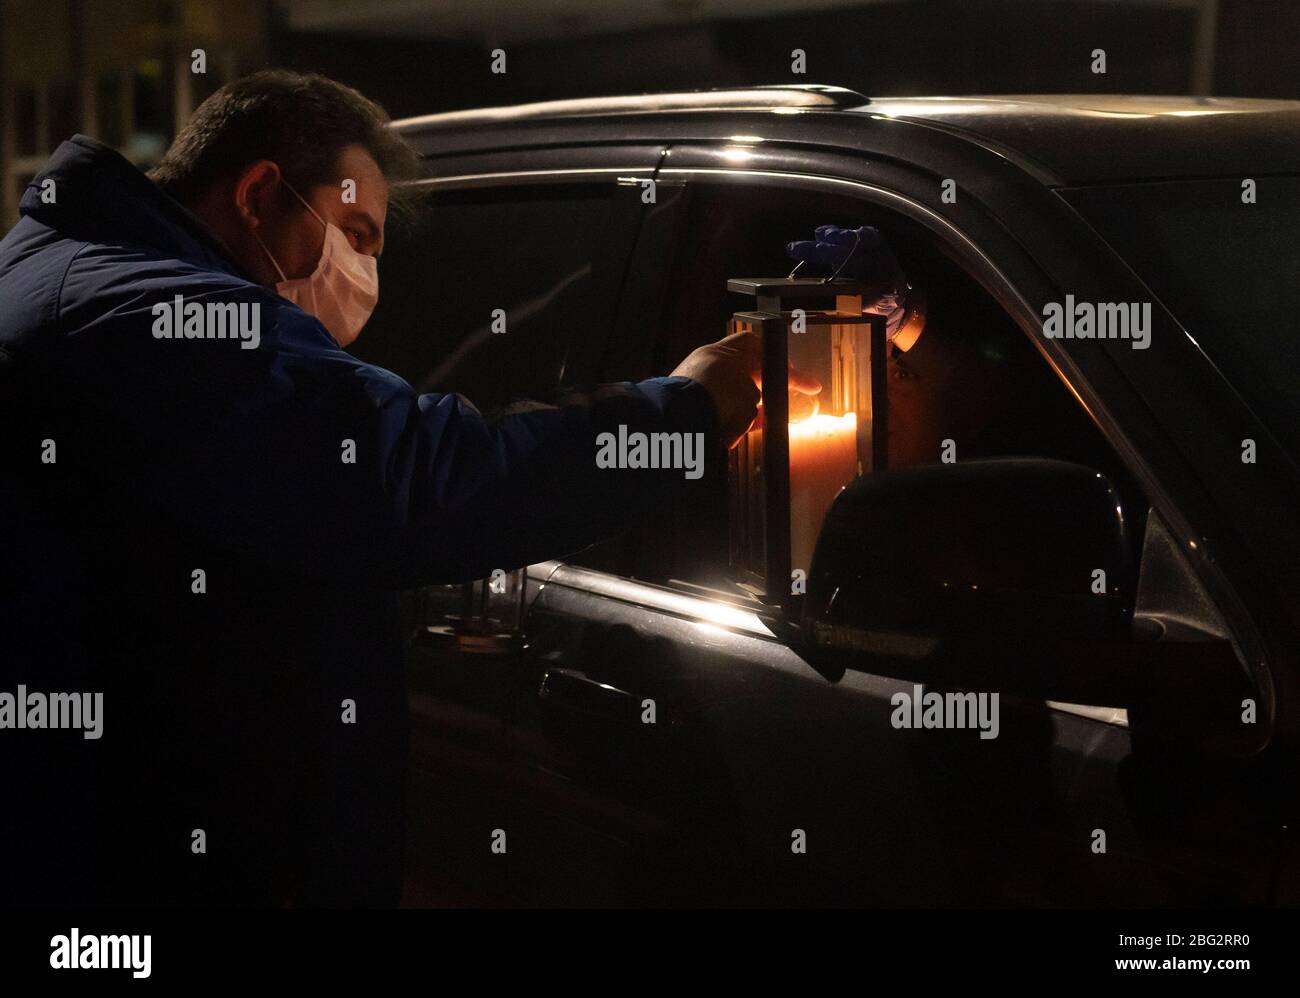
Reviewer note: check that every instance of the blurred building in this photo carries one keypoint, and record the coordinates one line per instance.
(122, 70)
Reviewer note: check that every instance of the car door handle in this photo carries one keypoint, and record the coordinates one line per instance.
(575, 691)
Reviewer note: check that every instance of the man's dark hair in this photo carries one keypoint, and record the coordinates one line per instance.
(301, 121)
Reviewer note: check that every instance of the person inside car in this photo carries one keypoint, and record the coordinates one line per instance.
(961, 384)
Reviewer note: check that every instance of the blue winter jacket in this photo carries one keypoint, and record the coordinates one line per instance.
(182, 533)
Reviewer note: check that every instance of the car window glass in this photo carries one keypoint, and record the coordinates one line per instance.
(502, 294)
(1226, 262)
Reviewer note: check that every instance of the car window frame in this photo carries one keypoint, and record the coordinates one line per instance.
(1012, 292)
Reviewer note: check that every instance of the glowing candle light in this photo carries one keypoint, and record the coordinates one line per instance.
(828, 432)
(823, 459)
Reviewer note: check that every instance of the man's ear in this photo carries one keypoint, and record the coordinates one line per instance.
(256, 190)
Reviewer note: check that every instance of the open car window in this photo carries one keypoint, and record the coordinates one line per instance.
(971, 386)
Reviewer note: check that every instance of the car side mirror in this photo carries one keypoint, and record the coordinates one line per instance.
(1012, 575)
(1016, 547)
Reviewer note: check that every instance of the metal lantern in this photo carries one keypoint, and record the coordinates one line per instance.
(802, 450)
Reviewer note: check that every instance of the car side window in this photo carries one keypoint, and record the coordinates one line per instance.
(1238, 292)
(971, 386)
(502, 293)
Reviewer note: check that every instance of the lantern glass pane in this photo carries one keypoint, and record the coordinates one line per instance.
(828, 433)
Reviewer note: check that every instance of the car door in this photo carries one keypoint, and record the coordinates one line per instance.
(500, 284)
(682, 753)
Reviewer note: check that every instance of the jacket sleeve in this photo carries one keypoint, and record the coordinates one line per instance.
(325, 465)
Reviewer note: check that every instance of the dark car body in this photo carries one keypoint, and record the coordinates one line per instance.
(1109, 199)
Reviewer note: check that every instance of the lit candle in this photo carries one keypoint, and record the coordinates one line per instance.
(823, 459)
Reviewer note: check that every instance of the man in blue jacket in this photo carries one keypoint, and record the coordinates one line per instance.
(183, 535)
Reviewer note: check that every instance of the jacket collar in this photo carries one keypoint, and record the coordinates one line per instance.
(98, 196)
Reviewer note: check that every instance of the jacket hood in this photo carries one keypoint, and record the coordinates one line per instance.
(101, 197)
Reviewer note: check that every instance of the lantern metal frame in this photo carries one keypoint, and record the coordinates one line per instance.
(771, 318)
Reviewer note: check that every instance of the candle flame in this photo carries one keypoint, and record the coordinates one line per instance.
(823, 425)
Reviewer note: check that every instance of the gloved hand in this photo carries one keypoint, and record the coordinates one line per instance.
(862, 254)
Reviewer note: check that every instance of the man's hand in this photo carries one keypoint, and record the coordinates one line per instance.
(731, 370)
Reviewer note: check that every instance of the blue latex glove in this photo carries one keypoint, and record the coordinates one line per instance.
(864, 255)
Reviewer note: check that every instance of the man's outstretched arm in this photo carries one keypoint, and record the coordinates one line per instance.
(335, 468)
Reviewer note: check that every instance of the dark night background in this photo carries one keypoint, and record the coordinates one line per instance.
(120, 69)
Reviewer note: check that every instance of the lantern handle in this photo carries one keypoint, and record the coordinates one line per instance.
(857, 241)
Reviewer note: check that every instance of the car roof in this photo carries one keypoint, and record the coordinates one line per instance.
(1076, 139)
(1091, 138)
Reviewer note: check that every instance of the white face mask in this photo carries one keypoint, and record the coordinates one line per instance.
(343, 289)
